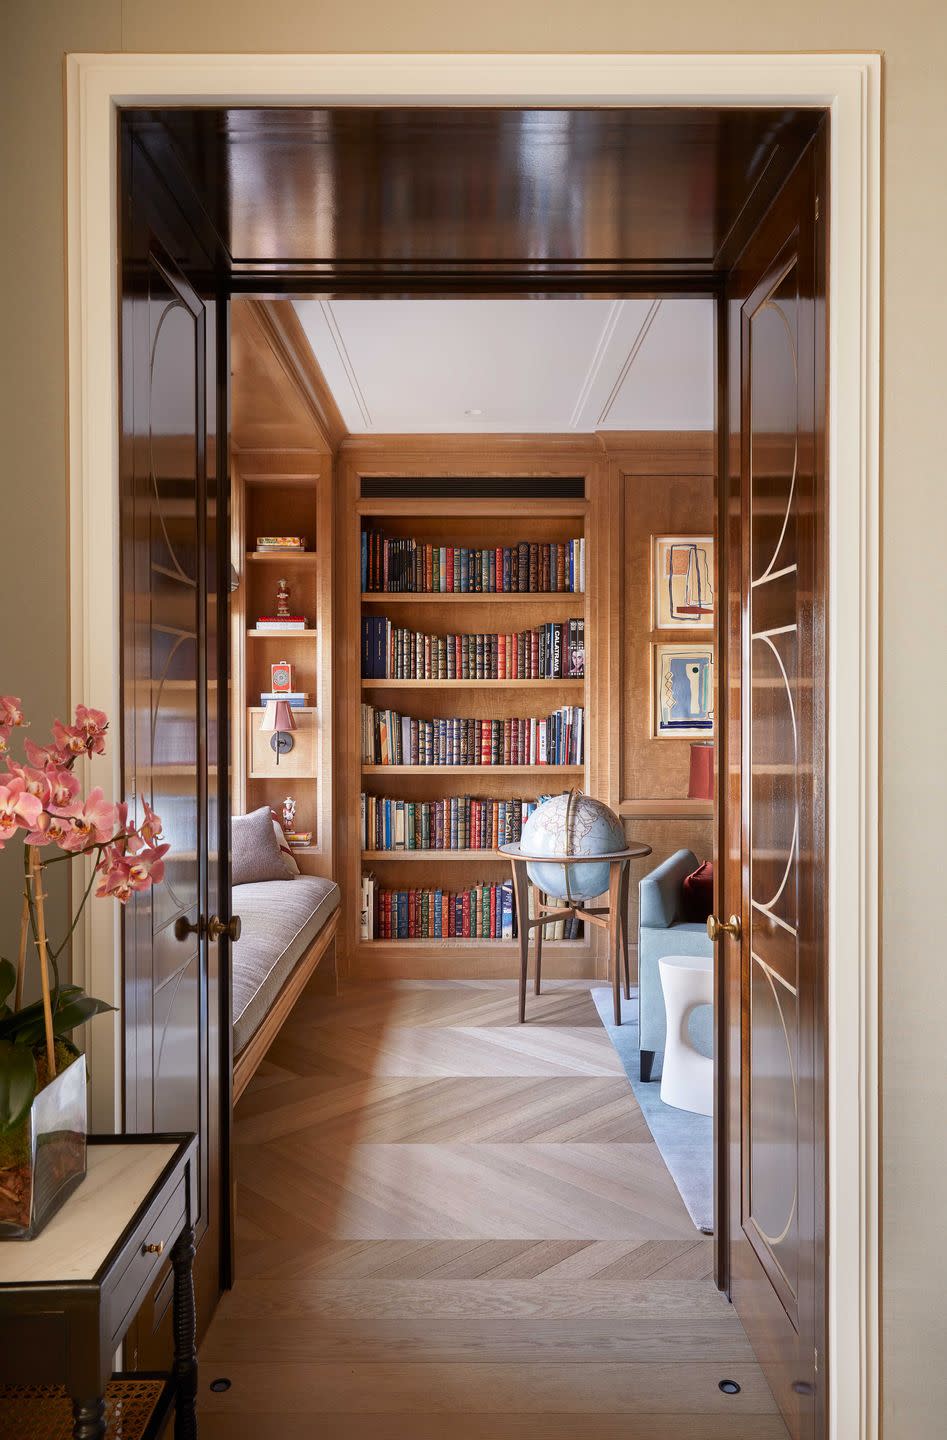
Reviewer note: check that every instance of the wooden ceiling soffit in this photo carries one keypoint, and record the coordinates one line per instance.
(280, 398)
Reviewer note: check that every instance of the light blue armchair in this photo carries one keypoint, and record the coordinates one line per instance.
(662, 930)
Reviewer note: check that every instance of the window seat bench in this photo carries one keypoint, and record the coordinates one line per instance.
(288, 928)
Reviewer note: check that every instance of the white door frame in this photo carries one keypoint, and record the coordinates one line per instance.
(849, 86)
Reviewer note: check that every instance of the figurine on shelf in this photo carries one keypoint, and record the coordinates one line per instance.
(282, 600)
(289, 813)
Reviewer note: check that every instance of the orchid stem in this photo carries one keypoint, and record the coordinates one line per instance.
(55, 954)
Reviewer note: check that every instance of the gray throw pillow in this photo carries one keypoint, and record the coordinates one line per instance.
(255, 853)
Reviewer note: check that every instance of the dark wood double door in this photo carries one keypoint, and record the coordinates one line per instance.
(174, 544)
(772, 976)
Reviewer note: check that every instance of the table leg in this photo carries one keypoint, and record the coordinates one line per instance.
(88, 1419)
(185, 1336)
(614, 933)
(521, 890)
(625, 877)
(538, 941)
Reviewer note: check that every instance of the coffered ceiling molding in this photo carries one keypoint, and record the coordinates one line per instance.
(523, 366)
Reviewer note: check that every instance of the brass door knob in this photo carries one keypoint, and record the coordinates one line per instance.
(183, 927)
(717, 928)
(153, 1248)
(216, 927)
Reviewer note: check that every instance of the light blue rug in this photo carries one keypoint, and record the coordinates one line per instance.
(685, 1140)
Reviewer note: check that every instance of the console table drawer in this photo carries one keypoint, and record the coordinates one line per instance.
(152, 1252)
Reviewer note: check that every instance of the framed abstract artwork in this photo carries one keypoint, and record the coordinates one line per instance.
(683, 691)
(682, 582)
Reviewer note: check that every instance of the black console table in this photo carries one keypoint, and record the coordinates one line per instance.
(68, 1297)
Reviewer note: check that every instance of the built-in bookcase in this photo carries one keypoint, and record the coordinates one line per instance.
(461, 520)
(284, 494)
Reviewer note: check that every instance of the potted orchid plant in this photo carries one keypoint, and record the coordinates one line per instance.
(42, 1073)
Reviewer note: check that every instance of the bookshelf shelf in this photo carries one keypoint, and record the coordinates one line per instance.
(546, 598)
(435, 857)
(484, 770)
(281, 557)
(508, 947)
(568, 684)
(281, 634)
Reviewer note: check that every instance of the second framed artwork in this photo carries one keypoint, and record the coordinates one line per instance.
(682, 688)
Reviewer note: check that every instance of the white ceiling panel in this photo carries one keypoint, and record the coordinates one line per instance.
(482, 366)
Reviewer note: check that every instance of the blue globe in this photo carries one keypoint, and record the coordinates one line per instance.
(571, 824)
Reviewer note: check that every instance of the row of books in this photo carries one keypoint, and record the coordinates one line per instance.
(481, 912)
(555, 651)
(456, 822)
(397, 565)
(390, 738)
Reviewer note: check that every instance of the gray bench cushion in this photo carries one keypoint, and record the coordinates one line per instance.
(280, 920)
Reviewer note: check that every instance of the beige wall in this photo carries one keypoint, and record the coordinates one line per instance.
(913, 35)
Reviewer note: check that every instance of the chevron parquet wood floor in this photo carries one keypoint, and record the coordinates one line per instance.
(451, 1227)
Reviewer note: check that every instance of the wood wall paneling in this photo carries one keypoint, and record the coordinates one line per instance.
(656, 484)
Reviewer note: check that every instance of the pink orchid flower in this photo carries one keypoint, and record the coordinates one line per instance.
(116, 881)
(18, 809)
(147, 867)
(10, 711)
(49, 830)
(92, 724)
(62, 788)
(69, 739)
(43, 756)
(93, 820)
(35, 782)
(4, 740)
(150, 827)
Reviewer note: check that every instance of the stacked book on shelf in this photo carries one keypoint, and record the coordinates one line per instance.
(296, 698)
(279, 624)
(486, 911)
(298, 839)
(397, 565)
(390, 738)
(456, 822)
(281, 544)
(555, 651)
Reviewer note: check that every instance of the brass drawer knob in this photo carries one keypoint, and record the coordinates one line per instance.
(153, 1248)
(716, 929)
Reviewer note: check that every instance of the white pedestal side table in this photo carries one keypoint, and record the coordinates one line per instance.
(687, 1079)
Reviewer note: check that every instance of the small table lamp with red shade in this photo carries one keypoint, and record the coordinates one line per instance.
(701, 784)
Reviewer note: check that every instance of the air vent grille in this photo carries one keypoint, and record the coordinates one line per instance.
(473, 487)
